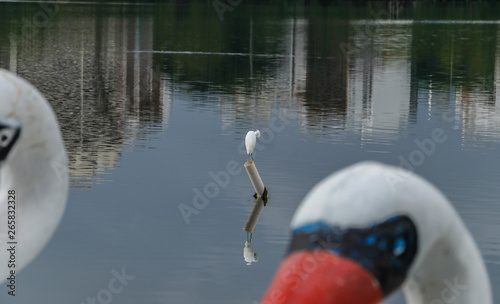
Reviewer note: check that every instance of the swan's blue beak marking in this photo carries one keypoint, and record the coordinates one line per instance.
(10, 129)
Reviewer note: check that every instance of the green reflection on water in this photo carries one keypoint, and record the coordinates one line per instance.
(116, 58)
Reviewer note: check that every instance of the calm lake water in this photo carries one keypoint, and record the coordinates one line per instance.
(154, 102)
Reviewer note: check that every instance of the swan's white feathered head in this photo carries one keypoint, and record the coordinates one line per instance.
(34, 167)
(369, 229)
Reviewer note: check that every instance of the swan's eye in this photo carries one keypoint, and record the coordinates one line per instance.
(6, 136)
(399, 247)
(9, 133)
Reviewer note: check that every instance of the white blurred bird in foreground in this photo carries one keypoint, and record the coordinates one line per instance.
(371, 229)
(33, 172)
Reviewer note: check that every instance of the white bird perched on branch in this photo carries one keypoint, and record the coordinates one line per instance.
(250, 141)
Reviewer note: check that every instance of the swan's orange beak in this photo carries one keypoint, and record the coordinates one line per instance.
(322, 277)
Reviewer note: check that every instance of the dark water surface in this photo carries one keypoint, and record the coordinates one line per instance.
(154, 102)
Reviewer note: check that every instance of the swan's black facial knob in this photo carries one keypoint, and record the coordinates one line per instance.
(10, 130)
(386, 249)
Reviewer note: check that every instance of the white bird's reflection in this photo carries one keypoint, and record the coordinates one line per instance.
(249, 254)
